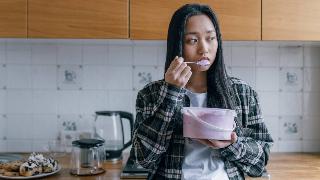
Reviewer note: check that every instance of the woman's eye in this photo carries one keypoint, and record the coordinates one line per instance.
(212, 38)
(193, 41)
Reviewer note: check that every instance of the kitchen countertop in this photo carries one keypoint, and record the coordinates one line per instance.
(293, 166)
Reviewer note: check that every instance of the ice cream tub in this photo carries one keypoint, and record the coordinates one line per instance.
(208, 123)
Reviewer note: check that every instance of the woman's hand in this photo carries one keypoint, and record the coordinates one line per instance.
(178, 73)
(217, 144)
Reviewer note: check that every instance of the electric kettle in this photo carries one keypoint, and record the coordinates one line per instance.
(108, 126)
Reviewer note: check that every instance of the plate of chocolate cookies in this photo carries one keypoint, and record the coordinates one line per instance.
(35, 166)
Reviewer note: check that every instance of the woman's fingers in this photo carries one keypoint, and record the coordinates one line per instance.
(186, 74)
(217, 144)
(178, 73)
(185, 70)
(179, 69)
(234, 137)
(173, 64)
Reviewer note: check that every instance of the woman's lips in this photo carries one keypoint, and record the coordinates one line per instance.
(203, 62)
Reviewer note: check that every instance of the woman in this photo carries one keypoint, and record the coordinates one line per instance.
(195, 75)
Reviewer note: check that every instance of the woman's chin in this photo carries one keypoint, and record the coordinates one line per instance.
(200, 68)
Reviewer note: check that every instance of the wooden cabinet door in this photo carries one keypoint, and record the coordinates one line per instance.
(13, 18)
(239, 20)
(78, 18)
(290, 20)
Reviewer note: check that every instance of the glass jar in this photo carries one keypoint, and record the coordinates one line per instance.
(87, 157)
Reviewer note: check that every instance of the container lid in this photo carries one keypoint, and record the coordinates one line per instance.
(88, 143)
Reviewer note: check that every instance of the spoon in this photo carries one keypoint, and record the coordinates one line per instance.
(201, 63)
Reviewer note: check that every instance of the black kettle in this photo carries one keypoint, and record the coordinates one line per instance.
(108, 126)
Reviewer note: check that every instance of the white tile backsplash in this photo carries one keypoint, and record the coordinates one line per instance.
(40, 145)
(2, 52)
(268, 56)
(311, 104)
(247, 74)
(45, 126)
(19, 76)
(116, 99)
(145, 55)
(291, 79)
(3, 146)
(291, 56)
(311, 126)
(310, 146)
(68, 102)
(143, 75)
(19, 145)
(19, 126)
(44, 54)
(120, 55)
(227, 55)
(269, 102)
(95, 54)
(162, 50)
(290, 146)
(94, 77)
(160, 72)
(312, 56)
(290, 128)
(18, 53)
(3, 95)
(3, 128)
(3, 76)
(93, 100)
(119, 77)
(70, 77)
(19, 102)
(44, 76)
(51, 88)
(311, 79)
(272, 123)
(243, 56)
(291, 103)
(267, 79)
(69, 54)
(45, 102)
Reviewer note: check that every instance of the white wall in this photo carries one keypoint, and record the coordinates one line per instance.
(36, 98)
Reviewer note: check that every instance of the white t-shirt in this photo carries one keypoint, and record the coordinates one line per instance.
(201, 162)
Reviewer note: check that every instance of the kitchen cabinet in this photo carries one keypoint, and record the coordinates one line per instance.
(239, 20)
(13, 18)
(78, 19)
(290, 20)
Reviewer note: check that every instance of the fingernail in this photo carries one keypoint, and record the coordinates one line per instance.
(180, 59)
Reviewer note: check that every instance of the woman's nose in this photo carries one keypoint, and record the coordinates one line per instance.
(203, 47)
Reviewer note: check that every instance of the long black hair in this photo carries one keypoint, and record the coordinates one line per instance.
(220, 93)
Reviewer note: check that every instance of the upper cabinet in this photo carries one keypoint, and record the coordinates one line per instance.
(290, 20)
(13, 18)
(78, 19)
(239, 20)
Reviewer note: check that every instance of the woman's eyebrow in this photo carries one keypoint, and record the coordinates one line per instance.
(207, 32)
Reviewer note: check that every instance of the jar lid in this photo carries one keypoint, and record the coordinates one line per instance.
(88, 143)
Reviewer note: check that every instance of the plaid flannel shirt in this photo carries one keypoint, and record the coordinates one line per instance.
(158, 142)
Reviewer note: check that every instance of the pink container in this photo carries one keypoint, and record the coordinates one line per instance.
(208, 123)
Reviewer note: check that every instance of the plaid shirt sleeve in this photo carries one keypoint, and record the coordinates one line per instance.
(156, 105)
(251, 151)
